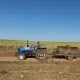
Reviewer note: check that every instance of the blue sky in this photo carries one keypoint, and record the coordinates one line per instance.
(45, 20)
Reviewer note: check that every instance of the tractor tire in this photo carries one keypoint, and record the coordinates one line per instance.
(41, 54)
(21, 56)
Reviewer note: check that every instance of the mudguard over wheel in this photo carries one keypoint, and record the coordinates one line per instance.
(21, 56)
(41, 54)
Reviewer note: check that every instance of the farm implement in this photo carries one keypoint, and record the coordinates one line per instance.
(67, 51)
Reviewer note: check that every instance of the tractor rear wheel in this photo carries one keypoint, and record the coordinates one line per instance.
(21, 56)
(41, 54)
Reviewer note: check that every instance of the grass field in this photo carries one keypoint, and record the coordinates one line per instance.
(48, 44)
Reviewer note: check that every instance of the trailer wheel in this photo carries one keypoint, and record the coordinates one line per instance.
(70, 58)
(41, 54)
(21, 56)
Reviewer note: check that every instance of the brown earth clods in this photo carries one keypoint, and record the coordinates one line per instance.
(8, 50)
(36, 70)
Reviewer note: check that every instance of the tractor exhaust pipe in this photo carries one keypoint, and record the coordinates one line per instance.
(27, 43)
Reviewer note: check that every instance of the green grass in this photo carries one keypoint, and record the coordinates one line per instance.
(48, 44)
(3, 72)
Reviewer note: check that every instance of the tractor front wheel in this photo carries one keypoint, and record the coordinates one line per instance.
(21, 56)
(41, 54)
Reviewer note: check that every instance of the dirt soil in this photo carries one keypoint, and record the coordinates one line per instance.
(32, 69)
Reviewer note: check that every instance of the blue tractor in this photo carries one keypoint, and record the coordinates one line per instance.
(39, 52)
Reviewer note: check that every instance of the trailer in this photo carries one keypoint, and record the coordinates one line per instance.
(67, 51)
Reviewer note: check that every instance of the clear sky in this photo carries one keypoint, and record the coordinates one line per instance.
(46, 20)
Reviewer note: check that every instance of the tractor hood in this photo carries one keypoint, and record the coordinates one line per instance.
(25, 49)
